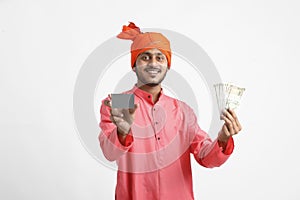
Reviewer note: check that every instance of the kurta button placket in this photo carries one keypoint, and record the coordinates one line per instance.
(155, 122)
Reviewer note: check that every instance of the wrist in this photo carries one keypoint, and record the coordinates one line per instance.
(223, 138)
(122, 133)
(222, 142)
(124, 138)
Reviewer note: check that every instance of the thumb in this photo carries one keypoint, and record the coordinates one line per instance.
(132, 110)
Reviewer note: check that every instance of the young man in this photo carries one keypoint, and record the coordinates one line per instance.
(152, 142)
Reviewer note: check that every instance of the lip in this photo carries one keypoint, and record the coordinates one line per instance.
(153, 70)
(153, 73)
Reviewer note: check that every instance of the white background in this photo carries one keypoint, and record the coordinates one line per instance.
(44, 43)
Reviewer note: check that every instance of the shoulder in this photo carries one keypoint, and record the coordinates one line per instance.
(178, 103)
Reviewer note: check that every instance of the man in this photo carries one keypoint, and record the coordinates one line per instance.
(152, 142)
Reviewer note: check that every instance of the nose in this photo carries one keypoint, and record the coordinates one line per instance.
(153, 62)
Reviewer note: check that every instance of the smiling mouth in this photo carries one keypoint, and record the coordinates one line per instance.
(153, 71)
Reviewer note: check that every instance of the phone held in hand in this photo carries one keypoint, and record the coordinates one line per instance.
(122, 100)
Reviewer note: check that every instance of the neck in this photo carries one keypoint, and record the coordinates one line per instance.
(155, 90)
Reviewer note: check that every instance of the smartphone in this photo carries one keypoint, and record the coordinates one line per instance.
(122, 100)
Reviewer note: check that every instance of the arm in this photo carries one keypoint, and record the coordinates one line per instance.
(210, 153)
(112, 144)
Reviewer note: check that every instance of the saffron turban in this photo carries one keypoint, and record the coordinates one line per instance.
(145, 41)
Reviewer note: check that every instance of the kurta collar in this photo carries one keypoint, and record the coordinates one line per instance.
(145, 95)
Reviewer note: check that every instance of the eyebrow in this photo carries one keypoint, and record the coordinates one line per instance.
(149, 54)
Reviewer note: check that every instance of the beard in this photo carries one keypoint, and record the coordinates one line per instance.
(152, 84)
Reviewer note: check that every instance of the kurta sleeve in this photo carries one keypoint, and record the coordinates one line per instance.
(108, 137)
(207, 153)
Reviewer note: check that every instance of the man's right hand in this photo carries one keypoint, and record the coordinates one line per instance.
(121, 117)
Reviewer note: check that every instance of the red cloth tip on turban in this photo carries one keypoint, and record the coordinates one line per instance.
(145, 41)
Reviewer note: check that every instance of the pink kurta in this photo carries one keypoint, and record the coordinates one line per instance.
(155, 161)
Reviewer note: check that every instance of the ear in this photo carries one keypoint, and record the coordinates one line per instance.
(133, 69)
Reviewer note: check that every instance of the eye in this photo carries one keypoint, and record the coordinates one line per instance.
(145, 57)
(160, 58)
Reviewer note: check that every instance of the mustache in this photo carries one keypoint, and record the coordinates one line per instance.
(158, 67)
(152, 66)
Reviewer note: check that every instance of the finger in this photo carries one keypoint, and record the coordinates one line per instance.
(117, 119)
(226, 131)
(236, 121)
(132, 110)
(107, 103)
(229, 115)
(231, 111)
(117, 112)
(228, 124)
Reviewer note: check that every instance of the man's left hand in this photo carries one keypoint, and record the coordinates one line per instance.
(231, 126)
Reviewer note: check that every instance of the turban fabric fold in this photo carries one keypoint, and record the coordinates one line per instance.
(145, 41)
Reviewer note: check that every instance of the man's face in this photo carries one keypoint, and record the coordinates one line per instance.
(151, 67)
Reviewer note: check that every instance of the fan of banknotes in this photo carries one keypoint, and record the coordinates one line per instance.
(228, 95)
